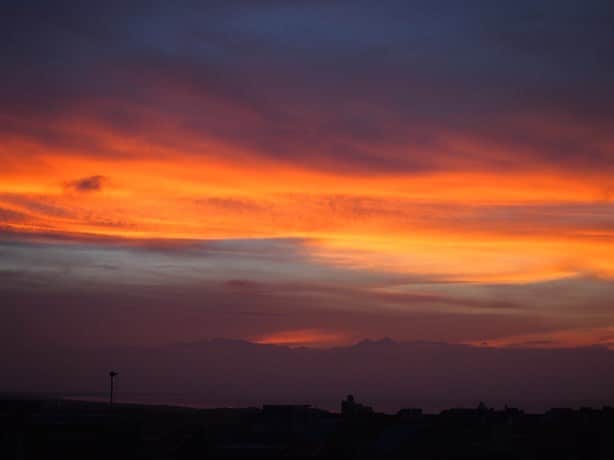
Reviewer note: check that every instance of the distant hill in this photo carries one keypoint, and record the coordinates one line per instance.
(385, 374)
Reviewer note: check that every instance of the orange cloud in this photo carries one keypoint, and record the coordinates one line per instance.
(304, 337)
(478, 226)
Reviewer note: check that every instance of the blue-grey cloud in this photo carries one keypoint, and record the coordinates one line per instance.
(207, 288)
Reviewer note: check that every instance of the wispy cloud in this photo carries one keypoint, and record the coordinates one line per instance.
(567, 338)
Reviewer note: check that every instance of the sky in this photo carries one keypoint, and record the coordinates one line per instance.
(307, 172)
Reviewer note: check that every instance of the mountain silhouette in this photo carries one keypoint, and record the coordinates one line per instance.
(386, 374)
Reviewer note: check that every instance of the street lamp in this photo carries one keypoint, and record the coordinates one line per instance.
(112, 375)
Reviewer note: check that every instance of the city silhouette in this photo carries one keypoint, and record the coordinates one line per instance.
(52, 428)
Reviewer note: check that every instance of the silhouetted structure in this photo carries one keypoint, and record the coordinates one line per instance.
(410, 413)
(112, 376)
(349, 407)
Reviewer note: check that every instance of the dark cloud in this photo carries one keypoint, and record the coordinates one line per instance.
(10, 216)
(111, 314)
(88, 184)
(334, 85)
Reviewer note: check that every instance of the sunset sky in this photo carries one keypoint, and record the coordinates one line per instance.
(307, 172)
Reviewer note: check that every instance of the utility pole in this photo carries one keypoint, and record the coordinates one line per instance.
(112, 375)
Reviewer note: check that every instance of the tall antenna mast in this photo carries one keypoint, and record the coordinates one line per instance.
(112, 375)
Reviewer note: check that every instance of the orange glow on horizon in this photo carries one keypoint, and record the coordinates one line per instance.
(304, 337)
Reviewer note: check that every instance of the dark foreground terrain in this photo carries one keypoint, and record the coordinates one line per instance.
(51, 428)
